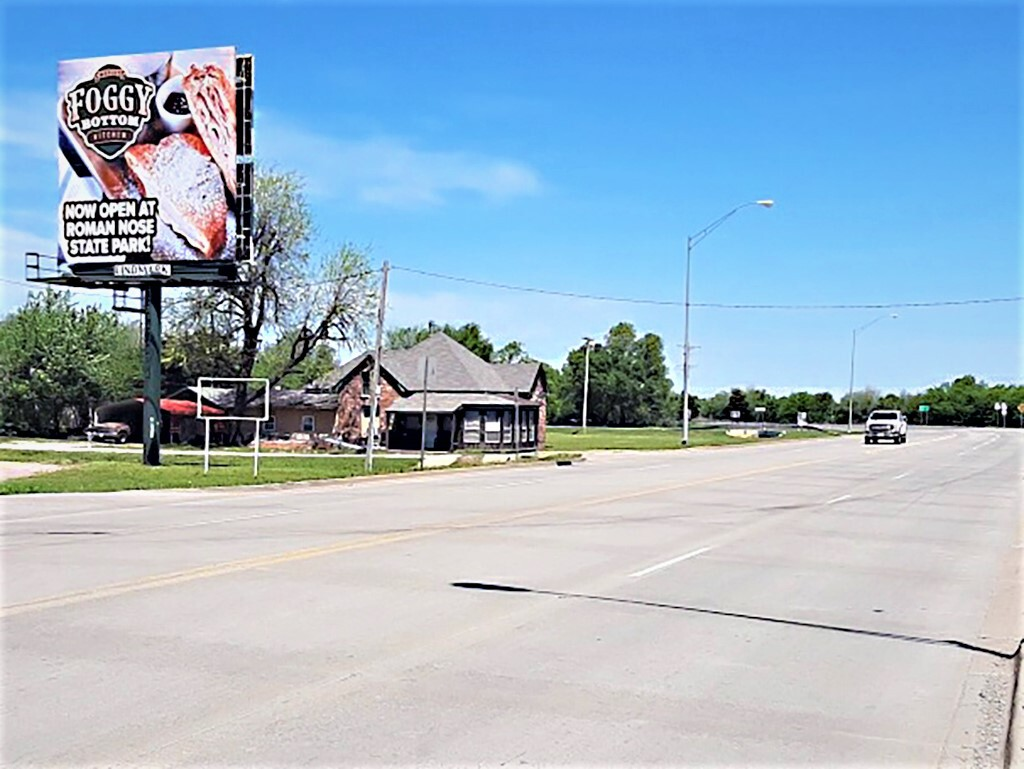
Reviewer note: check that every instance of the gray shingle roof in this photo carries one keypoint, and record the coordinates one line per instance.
(340, 374)
(225, 398)
(299, 399)
(520, 376)
(453, 369)
(448, 403)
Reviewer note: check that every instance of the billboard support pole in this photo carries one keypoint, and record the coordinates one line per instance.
(151, 377)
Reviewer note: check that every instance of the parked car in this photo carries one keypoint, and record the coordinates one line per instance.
(114, 432)
(889, 425)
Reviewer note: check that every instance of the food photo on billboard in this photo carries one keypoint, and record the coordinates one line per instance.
(147, 160)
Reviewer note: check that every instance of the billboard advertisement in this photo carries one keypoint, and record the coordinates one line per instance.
(149, 162)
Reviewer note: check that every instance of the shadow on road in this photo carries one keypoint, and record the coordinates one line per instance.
(751, 617)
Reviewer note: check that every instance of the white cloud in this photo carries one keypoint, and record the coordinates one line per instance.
(388, 171)
(28, 124)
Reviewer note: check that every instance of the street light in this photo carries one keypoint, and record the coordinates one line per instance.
(588, 343)
(692, 241)
(853, 353)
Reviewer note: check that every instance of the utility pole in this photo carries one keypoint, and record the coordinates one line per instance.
(378, 352)
(423, 419)
(588, 342)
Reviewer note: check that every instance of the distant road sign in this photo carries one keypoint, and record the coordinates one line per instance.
(759, 409)
(1020, 408)
(734, 414)
(924, 409)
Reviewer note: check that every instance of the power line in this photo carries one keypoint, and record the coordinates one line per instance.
(634, 300)
(709, 305)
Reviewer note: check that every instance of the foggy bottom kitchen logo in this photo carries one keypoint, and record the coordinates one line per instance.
(109, 110)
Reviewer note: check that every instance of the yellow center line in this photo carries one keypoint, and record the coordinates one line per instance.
(247, 564)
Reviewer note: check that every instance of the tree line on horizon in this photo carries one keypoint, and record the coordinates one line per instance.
(59, 362)
(630, 387)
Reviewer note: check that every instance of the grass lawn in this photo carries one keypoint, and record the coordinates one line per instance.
(652, 438)
(112, 471)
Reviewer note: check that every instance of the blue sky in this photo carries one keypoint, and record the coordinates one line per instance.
(574, 146)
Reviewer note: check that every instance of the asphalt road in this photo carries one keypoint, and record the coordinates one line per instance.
(813, 603)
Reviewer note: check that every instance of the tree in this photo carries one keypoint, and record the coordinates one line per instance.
(202, 351)
(864, 402)
(272, 361)
(788, 407)
(629, 384)
(469, 336)
(716, 407)
(58, 362)
(762, 399)
(405, 337)
(282, 290)
(559, 396)
(738, 405)
(697, 406)
(512, 352)
(655, 405)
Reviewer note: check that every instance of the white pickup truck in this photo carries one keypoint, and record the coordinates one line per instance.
(887, 425)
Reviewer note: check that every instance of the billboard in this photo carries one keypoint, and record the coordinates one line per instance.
(153, 162)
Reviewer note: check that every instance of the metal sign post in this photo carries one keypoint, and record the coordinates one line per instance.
(515, 399)
(258, 420)
(762, 411)
(423, 417)
(1001, 409)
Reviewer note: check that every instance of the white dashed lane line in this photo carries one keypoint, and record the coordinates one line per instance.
(669, 562)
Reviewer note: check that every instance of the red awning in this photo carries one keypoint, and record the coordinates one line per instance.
(185, 408)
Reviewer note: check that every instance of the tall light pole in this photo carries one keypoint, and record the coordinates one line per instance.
(588, 343)
(692, 241)
(853, 354)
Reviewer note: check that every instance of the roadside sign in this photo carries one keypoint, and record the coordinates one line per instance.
(734, 414)
(759, 409)
(924, 409)
(1020, 408)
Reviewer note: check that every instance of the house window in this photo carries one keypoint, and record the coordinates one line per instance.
(270, 426)
(308, 423)
(492, 427)
(366, 382)
(366, 411)
(471, 428)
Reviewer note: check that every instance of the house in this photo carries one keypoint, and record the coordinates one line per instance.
(469, 403)
(301, 411)
(291, 411)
